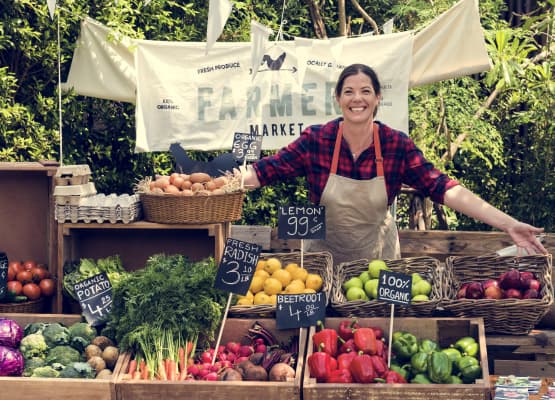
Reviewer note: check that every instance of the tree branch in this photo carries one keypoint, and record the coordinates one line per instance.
(342, 15)
(366, 17)
(317, 21)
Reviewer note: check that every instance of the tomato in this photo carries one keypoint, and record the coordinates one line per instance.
(15, 287)
(24, 277)
(11, 274)
(32, 291)
(47, 287)
(39, 274)
(29, 265)
(16, 266)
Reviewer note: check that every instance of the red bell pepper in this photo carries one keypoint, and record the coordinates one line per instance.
(347, 346)
(325, 340)
(381, 349)
(340, 376)
(346, 328)
(344, 360)
(378, 332)
(319, 365)
(365, 340)
(380, 366)
(394, 377)
(333, 363)
(362, 369)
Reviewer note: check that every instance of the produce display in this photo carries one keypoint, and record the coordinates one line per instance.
(28, 280)
(512, 284)
(359, 354)
(194, 184)
(258, 356)
(365, 285)
(52, 350)
(272, 277)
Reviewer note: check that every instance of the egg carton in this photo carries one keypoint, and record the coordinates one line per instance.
(101, 208)
(72, 175)
(73, 194)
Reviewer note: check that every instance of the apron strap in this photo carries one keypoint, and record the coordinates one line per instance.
(377, 146)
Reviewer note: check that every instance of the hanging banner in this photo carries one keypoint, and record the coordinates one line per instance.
(185, 96)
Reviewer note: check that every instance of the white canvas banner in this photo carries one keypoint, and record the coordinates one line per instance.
(218, 13)
(200, 101)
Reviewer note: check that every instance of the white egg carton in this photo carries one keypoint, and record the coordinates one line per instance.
(72, 175)
(101, 208)
(73, 194)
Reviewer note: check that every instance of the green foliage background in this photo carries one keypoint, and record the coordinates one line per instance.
(504, 114)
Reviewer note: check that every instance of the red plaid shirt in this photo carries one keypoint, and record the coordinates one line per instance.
(310, 155)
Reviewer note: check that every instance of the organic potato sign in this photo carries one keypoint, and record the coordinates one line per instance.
(302, 222)
(394, 287)
(246, 147)
(237, 266)
(95, 297)
(300, 310)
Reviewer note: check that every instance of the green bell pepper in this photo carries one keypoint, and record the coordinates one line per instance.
(427, 346)
(404, 345)
(454, 379)
(439, 367)
(467, 345)
(419, 362)
(469, 368)
(401, 370)
(466, 361)
(420, 378)
(454, 355)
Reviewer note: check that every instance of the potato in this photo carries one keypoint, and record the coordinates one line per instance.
(199, 177)
(97, 363)
(110, 355)
(281, 372)
(92, 350)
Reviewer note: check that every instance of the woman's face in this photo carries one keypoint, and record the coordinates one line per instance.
(357, 99)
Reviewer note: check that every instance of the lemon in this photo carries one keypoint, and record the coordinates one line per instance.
(260, 264)
(300, 273)
(272, 286)
(273, 299)
(261, 298)
(249, 295)
(262, 273)
(272, 265)
(295, 287)
(257, 284)
(283, 276)
(291, 267)
(245, 301)
(314, 281)
(309, 290)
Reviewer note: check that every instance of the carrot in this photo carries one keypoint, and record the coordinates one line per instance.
(144, 372)
(162, 371)
(172, 373)
(142, 365)
(181, 356)
(132, 366)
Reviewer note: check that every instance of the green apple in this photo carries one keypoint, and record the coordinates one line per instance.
(416, 277)
(420, 297)
(421, 287)
(356, 293)
(355, 281)
(371, 288)
(364, 277)
(375, 266)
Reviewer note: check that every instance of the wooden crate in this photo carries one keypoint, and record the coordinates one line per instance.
(235, 329)
(24, 388)
(443, 330)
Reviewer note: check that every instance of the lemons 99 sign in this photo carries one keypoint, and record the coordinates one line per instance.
(237, 266)
(302, 222)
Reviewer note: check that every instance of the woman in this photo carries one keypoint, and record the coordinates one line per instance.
(355, 167)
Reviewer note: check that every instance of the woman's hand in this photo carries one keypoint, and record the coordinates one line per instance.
(524, 236)
(248, 177)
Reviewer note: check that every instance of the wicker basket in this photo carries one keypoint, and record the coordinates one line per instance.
(504, 316)
(429, 268)
(33, 307)
(171, 209)
(316, 262)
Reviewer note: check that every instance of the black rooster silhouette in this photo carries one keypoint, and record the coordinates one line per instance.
(216, 167)
(276, 64)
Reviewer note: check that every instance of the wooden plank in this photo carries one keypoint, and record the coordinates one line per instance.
(524, 368)
(534, 350)
(260, 235)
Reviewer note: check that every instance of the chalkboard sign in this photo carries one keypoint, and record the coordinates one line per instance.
(237, 266)
(246, 146)
(300, 310)
(302, 222)
(394, 287)
(3, 274)
(95, 297)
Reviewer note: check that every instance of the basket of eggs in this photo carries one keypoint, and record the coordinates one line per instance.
(195, 198)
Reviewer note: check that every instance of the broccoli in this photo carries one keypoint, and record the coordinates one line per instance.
(45, 372)
(80, 335)
(34, 327)
(64, 355)
(33, 345)
(55, 334)
(78, 370)
(31, 364)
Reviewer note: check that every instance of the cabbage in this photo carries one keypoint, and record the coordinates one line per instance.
(10, 333)
(11, 362)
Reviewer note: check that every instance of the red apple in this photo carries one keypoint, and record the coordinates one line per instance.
(490, 282)
(461, 293)
(513, 293)
(531, 294)
(493, 292)
(534, 284)
(474, 290)
(525, 277)
(510, 279)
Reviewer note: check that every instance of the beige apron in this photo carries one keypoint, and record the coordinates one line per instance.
(358, 221)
